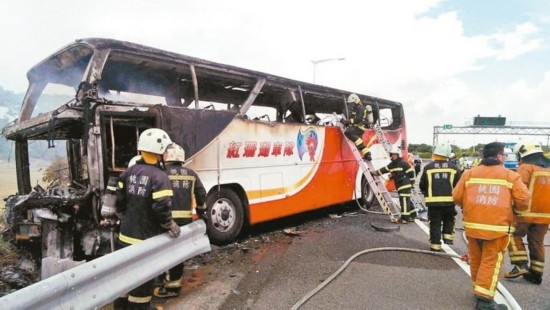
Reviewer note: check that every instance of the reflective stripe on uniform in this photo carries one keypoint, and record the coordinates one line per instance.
(404, 186)
(490, 182)
(435, 246)
(182, 214)
(173, 284)
(494, 279)
(498, 228)
(111, 188)
(177, 177)
(139, 300)
(128, 240)
(430, 197)
(439, 199)
(537, 266)
(163, 194)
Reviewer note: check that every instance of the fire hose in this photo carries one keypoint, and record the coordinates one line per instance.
(511, 301)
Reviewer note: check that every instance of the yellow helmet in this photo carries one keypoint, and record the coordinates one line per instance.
(527, 148)
(353, 98)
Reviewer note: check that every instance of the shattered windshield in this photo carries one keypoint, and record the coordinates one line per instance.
(55, 80)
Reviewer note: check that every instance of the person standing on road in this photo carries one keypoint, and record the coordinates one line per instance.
(189, 195)
(143, 203)
(417, 165)
(453, 160)
(489, 195)
(360, 119)
(437, 181)
(534, 170)
(403, 175)
(463, 163)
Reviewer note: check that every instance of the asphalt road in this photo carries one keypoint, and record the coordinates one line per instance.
(271, 269)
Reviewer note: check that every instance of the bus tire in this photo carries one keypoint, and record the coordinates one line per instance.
(225, 216)
(367, 195)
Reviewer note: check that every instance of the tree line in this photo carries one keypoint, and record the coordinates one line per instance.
(425, 151)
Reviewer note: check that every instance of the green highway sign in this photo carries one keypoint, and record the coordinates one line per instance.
(447, 126)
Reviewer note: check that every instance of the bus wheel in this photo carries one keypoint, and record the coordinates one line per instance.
(225, 216)
(367, 195)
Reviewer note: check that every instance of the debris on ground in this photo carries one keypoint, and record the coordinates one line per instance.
(292, 232)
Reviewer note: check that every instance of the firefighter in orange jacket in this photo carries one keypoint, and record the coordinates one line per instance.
(534, 170)
(486, 194)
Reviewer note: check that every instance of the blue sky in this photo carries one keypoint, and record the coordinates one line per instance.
(446, 61)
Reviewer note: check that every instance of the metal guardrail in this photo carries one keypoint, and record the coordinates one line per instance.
(98, 282)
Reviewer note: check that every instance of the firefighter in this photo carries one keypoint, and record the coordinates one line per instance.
(437, 181)
(489, 195)
(360, 119)
(144, 198)
(189, 195)
(403, 175)
(453, 160)
(417, 165)
(534, 170)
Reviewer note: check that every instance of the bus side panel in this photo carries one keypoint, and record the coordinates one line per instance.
(332, 183)
(284, 169)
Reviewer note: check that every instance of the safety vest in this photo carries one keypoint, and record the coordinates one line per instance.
(437, 183)
(486, 194)
(538, 180)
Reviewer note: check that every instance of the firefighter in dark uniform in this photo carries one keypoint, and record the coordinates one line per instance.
(144, 199)
(403, 175)
(189, 195)
(437, 181)
(360, 119)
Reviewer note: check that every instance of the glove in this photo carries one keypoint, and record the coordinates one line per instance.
(375, 173)
(344, 122)
(173, 229)
(368, 156)
(201, 209)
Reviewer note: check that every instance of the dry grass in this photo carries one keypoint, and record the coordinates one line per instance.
(8, 182)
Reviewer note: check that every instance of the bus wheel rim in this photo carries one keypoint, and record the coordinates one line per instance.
(223, 215)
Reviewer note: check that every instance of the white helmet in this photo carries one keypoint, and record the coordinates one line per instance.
(527, 148)
(174, 152)
(353, 98)
(395, 150)
(153, 140)
(134, 160)
(452, 155)
(442, 150)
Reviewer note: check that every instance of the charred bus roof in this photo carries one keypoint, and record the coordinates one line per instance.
(118, 67)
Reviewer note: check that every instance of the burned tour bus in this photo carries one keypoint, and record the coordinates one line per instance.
(264, 146)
